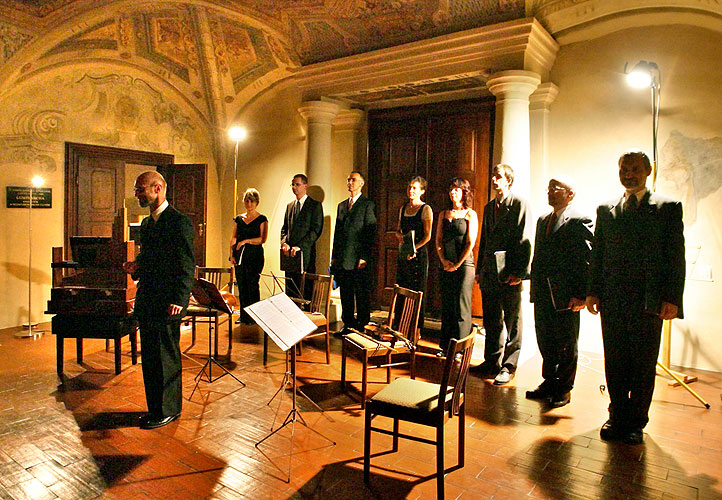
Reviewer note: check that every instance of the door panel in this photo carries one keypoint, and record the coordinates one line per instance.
(438, 142)
(187, 193)
(100, 195)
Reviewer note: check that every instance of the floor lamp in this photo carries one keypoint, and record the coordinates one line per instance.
(37, 182)
(236, 134)
(646, 74)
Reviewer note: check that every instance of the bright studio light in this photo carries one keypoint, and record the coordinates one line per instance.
(642, 75)
(237, 133)
(38, 181)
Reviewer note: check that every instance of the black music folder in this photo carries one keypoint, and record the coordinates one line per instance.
(292, 264)
(559, 293)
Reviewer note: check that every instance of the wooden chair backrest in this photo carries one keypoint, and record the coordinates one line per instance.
(456, 369)
(407, 319)
(321, 295)
(222, 277)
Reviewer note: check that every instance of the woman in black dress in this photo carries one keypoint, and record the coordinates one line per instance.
(456, 233)
(247, 241)
(412, 265)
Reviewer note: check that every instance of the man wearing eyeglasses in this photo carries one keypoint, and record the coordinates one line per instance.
(353, 239)
(302, 226)
(559, 271)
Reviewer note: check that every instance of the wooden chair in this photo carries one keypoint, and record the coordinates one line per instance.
(427, 404)
(222, 277)
(383, 343)
(315, 309)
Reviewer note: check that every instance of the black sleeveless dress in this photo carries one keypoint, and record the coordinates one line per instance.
(457, 285)
(413, 274)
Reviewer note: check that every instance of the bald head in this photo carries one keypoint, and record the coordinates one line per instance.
(150, 189)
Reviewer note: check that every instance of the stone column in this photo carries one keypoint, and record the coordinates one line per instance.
(319, 116)
(511, 131)
(539, 103)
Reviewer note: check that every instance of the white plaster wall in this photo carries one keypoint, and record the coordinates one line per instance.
(93, 104)
(596, 117)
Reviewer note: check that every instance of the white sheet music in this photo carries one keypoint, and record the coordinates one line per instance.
(281, 319)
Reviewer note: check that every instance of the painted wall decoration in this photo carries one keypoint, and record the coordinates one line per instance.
(11, 40)
(690, 170)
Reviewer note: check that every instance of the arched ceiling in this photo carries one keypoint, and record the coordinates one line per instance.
(316, 30)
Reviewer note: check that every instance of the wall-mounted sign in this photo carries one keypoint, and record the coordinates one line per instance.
(19, 197)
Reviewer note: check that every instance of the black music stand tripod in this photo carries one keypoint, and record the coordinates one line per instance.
(208, 296)
(288, 326)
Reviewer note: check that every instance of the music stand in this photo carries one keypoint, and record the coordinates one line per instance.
(207, 295)
(286, 324)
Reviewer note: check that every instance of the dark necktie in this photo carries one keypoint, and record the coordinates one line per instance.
(551, 223)
(631, 204)
(294, 212)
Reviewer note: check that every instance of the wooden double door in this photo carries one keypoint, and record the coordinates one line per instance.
(437, 142)
(98, 180)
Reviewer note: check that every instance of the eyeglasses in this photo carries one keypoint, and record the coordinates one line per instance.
(554, 189)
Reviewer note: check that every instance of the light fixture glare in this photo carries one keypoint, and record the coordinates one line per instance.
(639, 79)
(38, 181)
(237, 133)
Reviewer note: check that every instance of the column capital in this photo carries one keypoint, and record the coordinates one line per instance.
(513, 84)
(348, 119)
(319, 111)
(543, 96)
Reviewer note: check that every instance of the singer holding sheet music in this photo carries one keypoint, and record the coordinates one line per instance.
(302, 226)
(247, 241)
(559, 271)
(414, 232)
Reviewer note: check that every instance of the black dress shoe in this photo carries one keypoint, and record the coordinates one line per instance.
(239, 321)
(152, 422)
(634, 436)
(611, 431)
(540, 393)
(559, 400)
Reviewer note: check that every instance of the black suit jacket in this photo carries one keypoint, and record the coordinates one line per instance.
(166, 264)
(639, 256)
(354, 234)
(307, 228)
(504, 232)
(562, 256)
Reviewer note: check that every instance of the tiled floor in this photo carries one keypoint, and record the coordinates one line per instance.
(80, 439)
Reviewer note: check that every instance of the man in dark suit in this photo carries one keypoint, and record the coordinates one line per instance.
(502, 240)
(559, 270)
(164, 269)
(352, 245)
(302, 225)
(636, 281)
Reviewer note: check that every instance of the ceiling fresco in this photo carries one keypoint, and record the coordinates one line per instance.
(321, 30)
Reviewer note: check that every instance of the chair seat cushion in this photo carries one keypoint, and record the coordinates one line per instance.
(194, 310)
(408, 395)
(378, 347)
(318, 319)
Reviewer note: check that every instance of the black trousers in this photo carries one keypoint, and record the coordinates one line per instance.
(456, 290)
(161, 357)
(413, 274)
(557, 336)
(631, 347)
(502, 307)
(355, 288)
(249, 291)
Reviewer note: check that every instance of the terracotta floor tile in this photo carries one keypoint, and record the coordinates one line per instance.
(80, 439)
